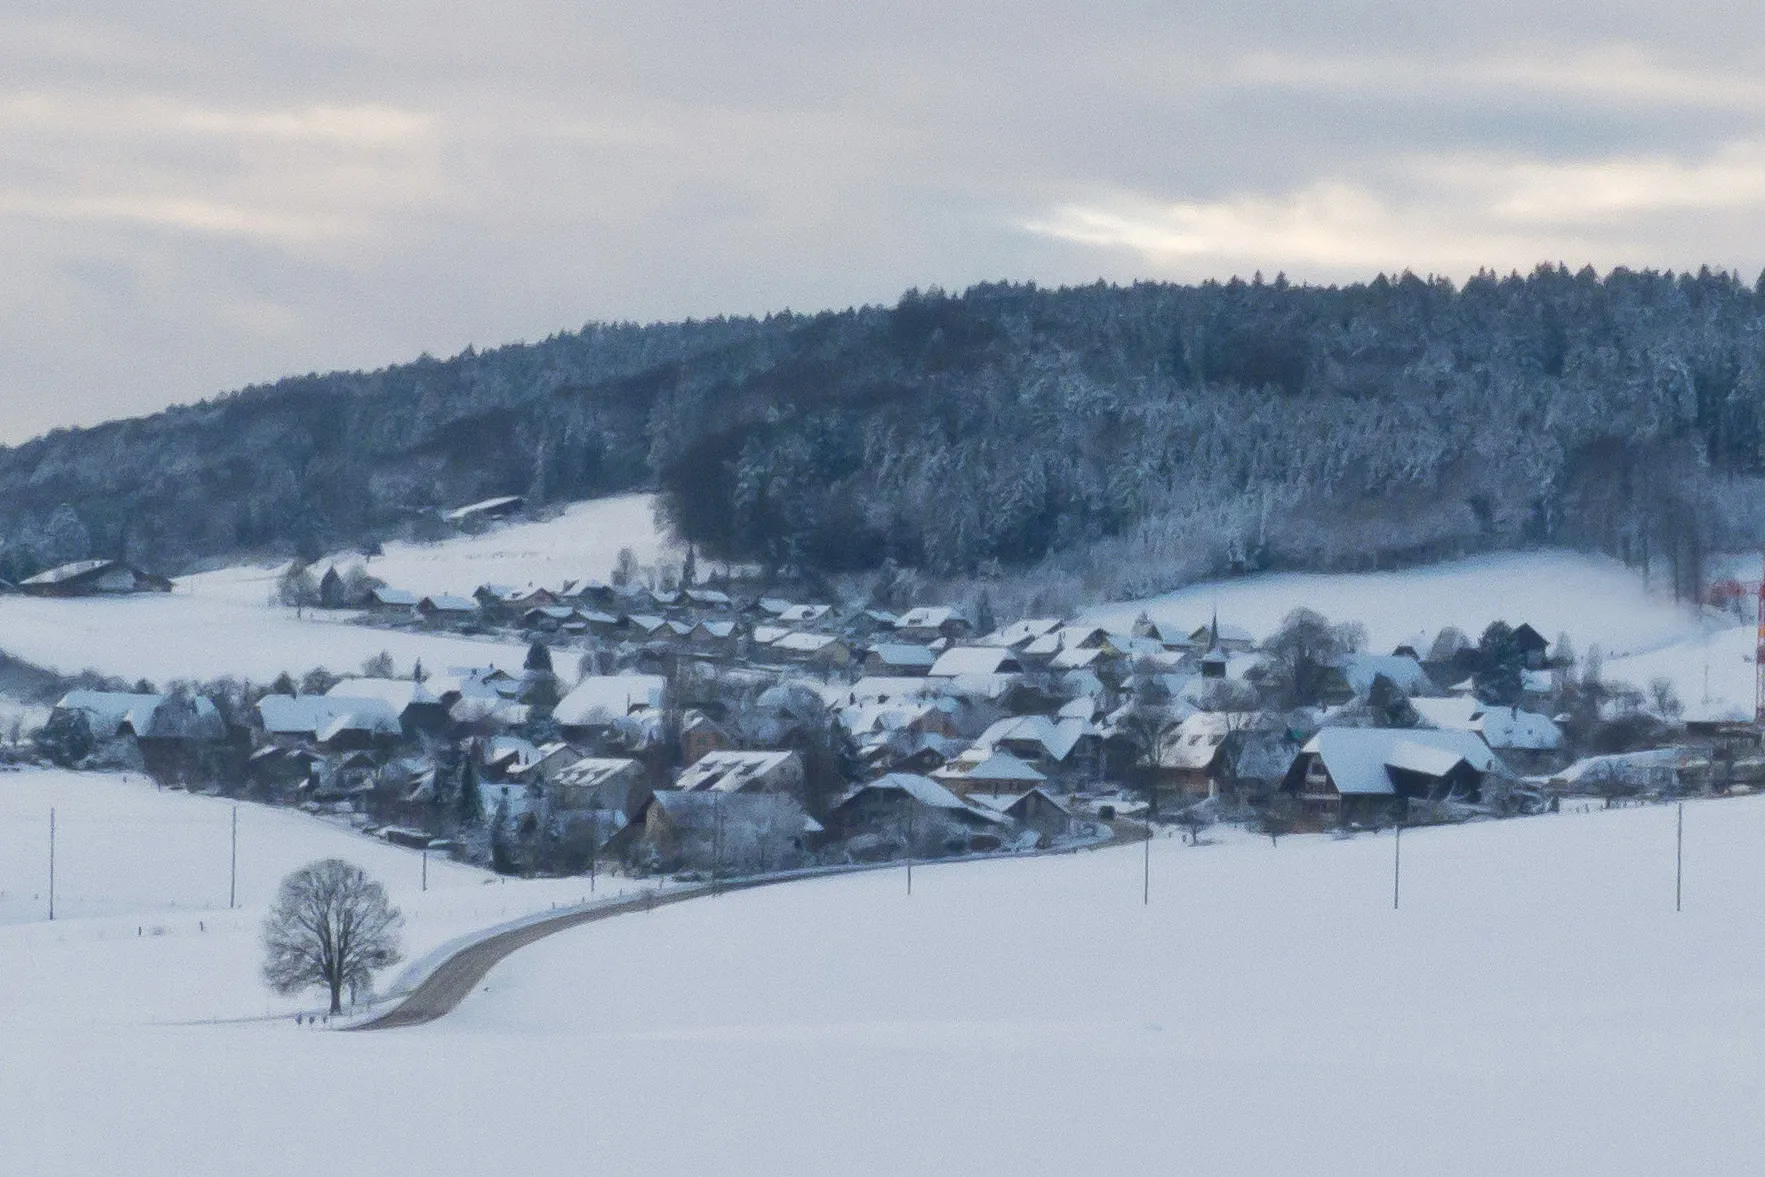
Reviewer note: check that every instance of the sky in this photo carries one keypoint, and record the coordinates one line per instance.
(203, 195)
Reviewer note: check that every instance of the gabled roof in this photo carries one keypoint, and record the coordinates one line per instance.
(1057, 739)
(1228, 633)
(805, 643)
(394, 597)
(960, 660)
(1003, 767)
(593, 771)
(707, 597)
(801, 614)
(1359, 758)
(1021, 633)
(729, 772)
(603, 698)
(313, 715)
(397, 693)
(1360, 670)
(903, 654)
(928, 617)
(469, 510)
(445, 603)
(66, 572)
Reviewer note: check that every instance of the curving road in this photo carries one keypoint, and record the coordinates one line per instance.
(442, 990)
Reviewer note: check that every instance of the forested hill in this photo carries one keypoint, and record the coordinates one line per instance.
(1137, 436)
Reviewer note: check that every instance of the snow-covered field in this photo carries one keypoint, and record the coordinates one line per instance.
(221, 623)
(142, 933)
(1536, 1007)
(583, 541)
(1641, 632)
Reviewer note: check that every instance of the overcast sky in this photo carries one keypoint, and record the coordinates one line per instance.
(200, 195)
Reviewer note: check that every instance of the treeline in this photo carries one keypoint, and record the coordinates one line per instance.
(1125, 438)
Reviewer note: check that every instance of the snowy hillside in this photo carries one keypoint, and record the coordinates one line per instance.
(1536, 1007)
(221, 623)
(582, 542)
(1643, 633)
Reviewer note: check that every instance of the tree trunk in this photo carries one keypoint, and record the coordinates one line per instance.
(336, 995)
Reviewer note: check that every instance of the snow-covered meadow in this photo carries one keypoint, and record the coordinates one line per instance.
(222, 623)
(1535, 1007)
(142, 932)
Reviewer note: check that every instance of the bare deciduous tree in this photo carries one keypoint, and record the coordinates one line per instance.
(331, 927)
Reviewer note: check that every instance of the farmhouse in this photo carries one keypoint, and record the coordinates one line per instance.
(1370, 775)
(908, 806)
(93, 578)
(600, 700)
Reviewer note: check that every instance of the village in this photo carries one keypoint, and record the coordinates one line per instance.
(660, 727)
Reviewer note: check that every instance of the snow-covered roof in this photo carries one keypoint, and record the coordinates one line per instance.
(1020, 633)
(765, 635)
(397, 693)
(903, 654)
(802, 614)
(729, 772)
(146, 715)
(594, 771)
(65, 572)
(1404, 672)
(715, 629)
(395, 597)
(325, 716)
(1196, 740)
(1003, 767)
(921, 788)
(1358, 758)
(466, 512)
(882, 687)
(446, 603)
(1057, 739)
(603, 698)
(805, 643)
(1228, 633)
(707, 597)
(928, 617)
(1501, 727)
(960, 660)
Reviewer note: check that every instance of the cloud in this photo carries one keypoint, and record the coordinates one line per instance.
(1453, 214)
(198, 196)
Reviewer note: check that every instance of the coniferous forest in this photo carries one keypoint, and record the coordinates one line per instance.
(1131, 438)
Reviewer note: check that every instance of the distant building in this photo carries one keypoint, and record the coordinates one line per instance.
(93, 578)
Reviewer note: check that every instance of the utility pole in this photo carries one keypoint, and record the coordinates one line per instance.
(909, 847)
(233, 867)
(1679, 861)
(52, 862)
(1396, 866)
(1146, 877)
(425, 866)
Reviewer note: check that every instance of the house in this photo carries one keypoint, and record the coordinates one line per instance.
(998, 772)
(444, 607)
(335, 723)
(391, 600)
(1525, 740)
(1035, 810)
(1045, 744)
(899, 658)
(497, 508)
(333, 593)
(929, 623)
(601, 700)
(911, 808)
(812, 649)
(1358, 672)
(1533, 648)
(1198, 758)
(608, 783)
(699, 736)
(93, 578)
(549, 618)
(708, 599)
(803, 614)
(671, 827)
(417, 708)
(1233, 639)
(173, 733)
(1348, 776)
(546, 763)
(743, 772)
